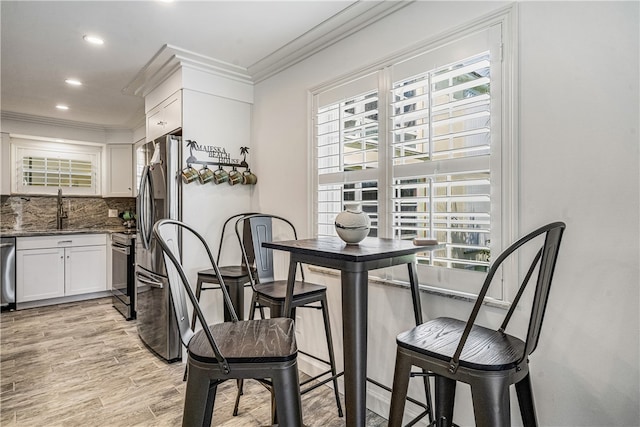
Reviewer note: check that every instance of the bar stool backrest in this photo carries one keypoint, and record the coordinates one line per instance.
(246, 235)
(546, 257)
(261, 230)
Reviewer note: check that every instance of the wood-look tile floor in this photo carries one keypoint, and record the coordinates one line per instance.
(82, 364)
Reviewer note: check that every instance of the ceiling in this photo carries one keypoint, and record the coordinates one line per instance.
(42, 45)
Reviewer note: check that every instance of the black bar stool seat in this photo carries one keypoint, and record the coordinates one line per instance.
(277, 291)
(229, 271)
(235, 277)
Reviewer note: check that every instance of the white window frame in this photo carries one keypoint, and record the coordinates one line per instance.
(504, 160)
(22, 147)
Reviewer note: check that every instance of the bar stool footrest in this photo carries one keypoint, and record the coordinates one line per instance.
(320, 383)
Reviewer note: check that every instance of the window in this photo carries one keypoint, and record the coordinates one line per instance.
(42, 168)
(419, 144)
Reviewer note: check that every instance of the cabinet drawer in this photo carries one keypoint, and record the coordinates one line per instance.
(60, 240)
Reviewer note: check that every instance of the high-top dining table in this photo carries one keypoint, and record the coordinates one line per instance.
(354, 263)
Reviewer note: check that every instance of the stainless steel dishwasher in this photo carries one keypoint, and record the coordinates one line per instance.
(8, 266)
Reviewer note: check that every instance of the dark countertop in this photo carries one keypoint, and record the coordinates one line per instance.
(32, 233)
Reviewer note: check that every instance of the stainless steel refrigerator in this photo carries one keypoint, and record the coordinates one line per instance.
(159, 197)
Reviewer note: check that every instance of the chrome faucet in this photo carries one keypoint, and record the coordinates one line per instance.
(60, 212)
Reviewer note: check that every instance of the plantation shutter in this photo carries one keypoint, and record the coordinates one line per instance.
(347, 152)
(441, 172)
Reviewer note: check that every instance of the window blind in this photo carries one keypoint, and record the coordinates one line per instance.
(347, 135)
(56, 172)
(437, 116)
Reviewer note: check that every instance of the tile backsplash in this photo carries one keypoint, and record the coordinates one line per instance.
(24, 213)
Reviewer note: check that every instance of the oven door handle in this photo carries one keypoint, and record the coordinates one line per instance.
(122, 250)
(152, 283)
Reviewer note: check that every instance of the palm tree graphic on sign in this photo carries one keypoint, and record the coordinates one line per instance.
(244, 151)
(191, 145)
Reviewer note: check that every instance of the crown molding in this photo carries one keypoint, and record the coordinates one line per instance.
(171, 58)
(350, 20)
(51, 121)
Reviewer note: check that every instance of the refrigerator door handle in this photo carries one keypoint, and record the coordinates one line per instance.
(153, 284)
(150, 281)
(146, 207)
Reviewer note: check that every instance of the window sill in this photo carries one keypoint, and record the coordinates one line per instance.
(445, 293)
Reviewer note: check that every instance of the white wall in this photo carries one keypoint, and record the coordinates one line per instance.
(221, 122)
(578, 104)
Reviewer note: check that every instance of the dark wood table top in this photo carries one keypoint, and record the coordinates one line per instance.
(370, 249)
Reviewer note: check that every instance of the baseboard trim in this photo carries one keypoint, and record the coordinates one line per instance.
(62, 300)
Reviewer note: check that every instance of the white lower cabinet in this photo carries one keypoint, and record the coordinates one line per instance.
(39, 274)
(81, 266)
(58, 266)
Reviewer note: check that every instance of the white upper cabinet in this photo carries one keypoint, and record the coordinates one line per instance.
(119, 171)
(166, 117)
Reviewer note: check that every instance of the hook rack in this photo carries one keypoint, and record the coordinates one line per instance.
(219, 154)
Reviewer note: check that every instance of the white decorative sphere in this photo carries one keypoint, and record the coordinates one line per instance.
(352, 225)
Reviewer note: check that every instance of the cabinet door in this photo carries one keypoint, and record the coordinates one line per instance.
(155, 124)
(39, 274)
(119, 180)
(172, 113)
(165, 118)
(86, 269)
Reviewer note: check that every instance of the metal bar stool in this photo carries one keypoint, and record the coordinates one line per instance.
(235, 277)
(258, 349)
(270, 293)
(490, 361)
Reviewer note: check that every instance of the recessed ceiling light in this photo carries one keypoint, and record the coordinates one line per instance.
(93, 39)
(62, 107)
(73, 82)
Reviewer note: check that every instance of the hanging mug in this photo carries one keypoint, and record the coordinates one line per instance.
(189, 174)
(235, 177)
(220, 176)
(249, 178)
(205, 175)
